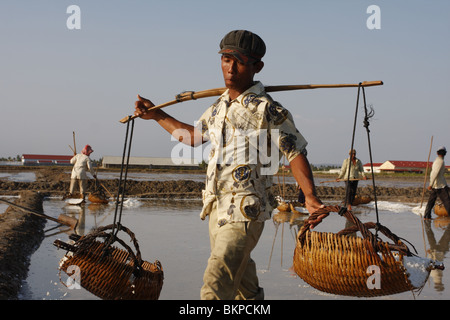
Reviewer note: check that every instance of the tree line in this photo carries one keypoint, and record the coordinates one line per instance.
(17, 158)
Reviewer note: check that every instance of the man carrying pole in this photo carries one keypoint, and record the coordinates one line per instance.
(237, 196)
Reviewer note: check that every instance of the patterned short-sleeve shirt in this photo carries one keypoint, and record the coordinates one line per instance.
(248, 136)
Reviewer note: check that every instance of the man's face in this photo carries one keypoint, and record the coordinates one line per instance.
(238, 76)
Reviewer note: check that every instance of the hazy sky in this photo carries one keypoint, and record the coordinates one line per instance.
(55, 80)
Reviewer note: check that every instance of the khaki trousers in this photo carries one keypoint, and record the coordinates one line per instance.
(231, 273)
(81, 182)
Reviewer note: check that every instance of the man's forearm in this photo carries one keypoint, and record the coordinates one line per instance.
(181, 131)
(303, 175)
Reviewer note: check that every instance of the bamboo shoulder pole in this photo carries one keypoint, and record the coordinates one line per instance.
(74, 144)
(426, 173)
(191, 95)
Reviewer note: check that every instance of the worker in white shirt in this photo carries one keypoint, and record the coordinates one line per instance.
(81, 164)
(351, 180)
(438, 184)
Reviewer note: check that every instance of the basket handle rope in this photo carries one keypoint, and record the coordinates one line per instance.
(315, 218)
(85, 242)
(397, 245)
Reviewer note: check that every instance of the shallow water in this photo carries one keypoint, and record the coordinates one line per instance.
(28, 176)
(172, 232)
(25, 176)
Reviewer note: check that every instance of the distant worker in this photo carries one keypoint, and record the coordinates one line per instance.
(356, 173)
(82, 163)
(438, 184)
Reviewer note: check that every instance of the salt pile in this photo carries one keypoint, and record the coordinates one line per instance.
(132, 202)
(418, 270)
(420, 211)
(391, 206)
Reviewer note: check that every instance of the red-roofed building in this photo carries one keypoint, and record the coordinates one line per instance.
(406, 166)
(42, 159)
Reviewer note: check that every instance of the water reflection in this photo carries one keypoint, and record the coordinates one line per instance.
(293, 220)
(99, 213)
(25, 176)
(438, 249)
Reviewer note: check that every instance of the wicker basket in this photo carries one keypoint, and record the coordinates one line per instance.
(340, 263)
(361, 200)
(439, 210)
(97, 198)
(109, 272)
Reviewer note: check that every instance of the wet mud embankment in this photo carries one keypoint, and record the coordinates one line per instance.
(54, 181)
(21, 234)
(187, 189)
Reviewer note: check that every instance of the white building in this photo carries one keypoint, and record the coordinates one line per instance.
(376, 167)
(151, 163)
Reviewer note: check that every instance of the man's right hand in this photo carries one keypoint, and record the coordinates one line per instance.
(141, 109)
